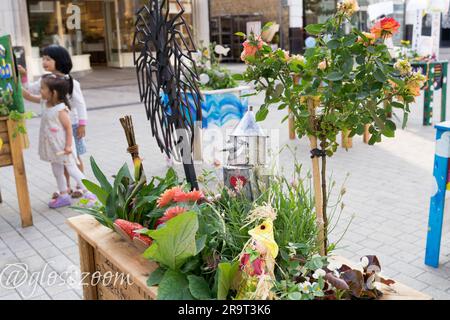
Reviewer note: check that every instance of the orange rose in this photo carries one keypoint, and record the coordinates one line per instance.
(385, 28)
(251, 47)
(370, 38)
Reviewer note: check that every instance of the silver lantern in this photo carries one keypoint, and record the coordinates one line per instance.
(247, 158)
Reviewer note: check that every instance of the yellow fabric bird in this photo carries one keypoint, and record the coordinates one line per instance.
(264, 234)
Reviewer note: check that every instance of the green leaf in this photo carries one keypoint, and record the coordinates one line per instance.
(100, 193)
(314, 29)
(278, 90)
(349, 40)
(104, 183)
(267, 26)
(295, 296)
(261, 114)
(348, 64)
(379, 75)
(371, 49)
(389, 130)
(238, 77)
(200, 243)
(240, 34)
(155, 277)
(226, 273)
(98, 215)
(333, 44)
(360, 59)
(405, 120)
(191, 265)
(174, 286)
(334, 76)
(199, 288)
(175, 242)
(396, 104)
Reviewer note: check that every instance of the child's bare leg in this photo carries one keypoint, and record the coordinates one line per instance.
(78, 193)
(66, 174)
(80, 164)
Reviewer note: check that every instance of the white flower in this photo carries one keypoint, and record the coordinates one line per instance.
(298, 57)
(204, 78)
(370, 283)
(221, 50)
(305, 286)
(319, 273)
(364, 262)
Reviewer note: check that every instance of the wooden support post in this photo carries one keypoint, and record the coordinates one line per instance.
(87, 267)
(23, 195)
(347, 142)
(366, 136)
(316, 181)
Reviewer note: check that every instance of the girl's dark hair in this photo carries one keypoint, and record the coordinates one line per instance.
(63, 61)
(59, 84)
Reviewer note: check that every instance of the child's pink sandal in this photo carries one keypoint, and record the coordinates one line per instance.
(61, 201)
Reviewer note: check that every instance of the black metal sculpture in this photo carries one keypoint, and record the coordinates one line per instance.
(166, 75)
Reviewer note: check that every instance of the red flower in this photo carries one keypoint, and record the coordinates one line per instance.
(253, 268)
(385, 28)
(238, 181)
(193, 196)
(169, 214)
(168, 196)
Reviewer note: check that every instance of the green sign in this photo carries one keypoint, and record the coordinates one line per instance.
(10, 84)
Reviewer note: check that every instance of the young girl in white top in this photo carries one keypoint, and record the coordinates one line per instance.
(56, 59)
(56, 142)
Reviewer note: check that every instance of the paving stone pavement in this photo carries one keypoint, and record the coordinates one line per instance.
(386, 202)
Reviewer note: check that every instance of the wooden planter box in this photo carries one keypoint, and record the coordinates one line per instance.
(103, 250)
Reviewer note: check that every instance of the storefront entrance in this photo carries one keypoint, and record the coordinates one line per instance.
(105, 34)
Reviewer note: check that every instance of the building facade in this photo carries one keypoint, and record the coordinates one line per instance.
(95, 32)
(100, 32)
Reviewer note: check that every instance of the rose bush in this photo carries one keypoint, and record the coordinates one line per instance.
(346, 83)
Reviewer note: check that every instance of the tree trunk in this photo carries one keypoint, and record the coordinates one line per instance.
(316, 181)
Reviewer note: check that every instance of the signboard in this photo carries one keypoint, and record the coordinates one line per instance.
(376, 10)
(10, 86)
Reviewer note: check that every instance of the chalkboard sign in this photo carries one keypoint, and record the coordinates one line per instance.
(10, 84)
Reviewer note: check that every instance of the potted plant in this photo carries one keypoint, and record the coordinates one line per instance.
(217, 244)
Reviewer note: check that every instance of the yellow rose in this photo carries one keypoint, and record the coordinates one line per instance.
(348, 7)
